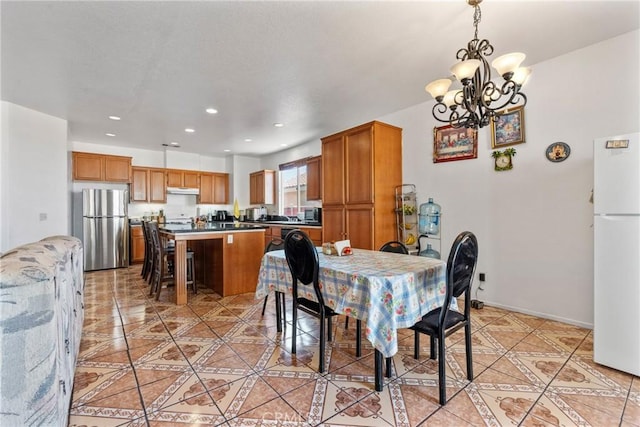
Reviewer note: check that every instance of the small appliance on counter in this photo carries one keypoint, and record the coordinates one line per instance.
(313, 215)
(221, 216)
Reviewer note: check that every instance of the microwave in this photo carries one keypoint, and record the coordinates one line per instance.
(313, 215)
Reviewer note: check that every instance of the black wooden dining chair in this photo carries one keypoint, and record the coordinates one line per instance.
(442, 321)
(395, 246)
(302, 258)
(276, 245)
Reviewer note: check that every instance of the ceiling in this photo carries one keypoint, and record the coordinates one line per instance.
(317, 67)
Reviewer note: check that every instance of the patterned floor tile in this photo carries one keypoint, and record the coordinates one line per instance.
(220, 361)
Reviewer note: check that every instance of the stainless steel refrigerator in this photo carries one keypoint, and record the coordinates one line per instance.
(616, 199)
(105, 229)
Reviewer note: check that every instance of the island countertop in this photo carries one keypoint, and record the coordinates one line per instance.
(210, 227)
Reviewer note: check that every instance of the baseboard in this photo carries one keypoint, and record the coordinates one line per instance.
(541, 315)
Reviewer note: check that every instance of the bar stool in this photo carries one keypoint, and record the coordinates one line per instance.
(162, 258)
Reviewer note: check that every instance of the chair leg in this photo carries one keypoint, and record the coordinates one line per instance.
(322, 343)
(358, 340)
(191, 274)
(330, 332)
(416, 345)
(433, 347)
(442, 379)
(264, 306)
(284, 311)
(388, 362)
(294, 328)
(467, 343)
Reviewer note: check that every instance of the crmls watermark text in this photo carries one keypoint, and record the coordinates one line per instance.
(283, 417)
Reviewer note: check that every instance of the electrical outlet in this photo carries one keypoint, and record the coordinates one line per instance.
(482, 277)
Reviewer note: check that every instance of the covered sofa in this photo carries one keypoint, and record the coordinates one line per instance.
(41, 316)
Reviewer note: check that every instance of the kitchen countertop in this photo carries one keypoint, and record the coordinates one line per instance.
(292, 224)
(211, 227)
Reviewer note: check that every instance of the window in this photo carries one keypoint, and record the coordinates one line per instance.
(293, 189)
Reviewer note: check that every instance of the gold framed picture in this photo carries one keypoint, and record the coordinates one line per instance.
(508, 128)
(451, 143)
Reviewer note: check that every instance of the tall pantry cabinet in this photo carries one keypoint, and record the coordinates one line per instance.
(360, 169)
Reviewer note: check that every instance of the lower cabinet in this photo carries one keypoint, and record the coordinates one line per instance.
(314, 233)
(275, 232)
(137, 247)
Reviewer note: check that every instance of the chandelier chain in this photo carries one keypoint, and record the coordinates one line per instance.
(477, 15)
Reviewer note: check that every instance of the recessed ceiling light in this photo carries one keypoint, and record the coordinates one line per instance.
(211, 111)
(110, 134)
(114, 117)
(175, 143)
(227, 151)
(189, 130)
(283, 145)
(278, 125)
(248, 140)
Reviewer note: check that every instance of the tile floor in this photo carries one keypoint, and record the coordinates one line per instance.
(218, 361)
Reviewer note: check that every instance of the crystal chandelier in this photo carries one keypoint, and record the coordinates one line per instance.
(479, 100)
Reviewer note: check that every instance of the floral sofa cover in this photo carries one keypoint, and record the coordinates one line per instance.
(41, 315)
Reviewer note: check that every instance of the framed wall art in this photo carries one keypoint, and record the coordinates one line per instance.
(451, 143)
(508, 128)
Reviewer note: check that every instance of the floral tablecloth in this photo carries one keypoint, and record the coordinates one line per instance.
(387, 291)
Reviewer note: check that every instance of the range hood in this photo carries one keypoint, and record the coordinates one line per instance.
(182, 190)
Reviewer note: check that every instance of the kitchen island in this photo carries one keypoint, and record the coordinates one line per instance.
(227, 256)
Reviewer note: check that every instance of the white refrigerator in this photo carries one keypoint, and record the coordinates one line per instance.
(616, 224)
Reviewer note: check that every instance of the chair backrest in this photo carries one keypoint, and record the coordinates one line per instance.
(395, 246)
(158, 252)
(302, 257)
(274, 245)
(423, 239)
(461, 267)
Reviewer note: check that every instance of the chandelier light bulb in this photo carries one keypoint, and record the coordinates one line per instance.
(507, 64)
(450, 98)
(466, 69)
(438, 88)
(520, 75)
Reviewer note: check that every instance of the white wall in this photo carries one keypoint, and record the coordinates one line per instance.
(533, 223)
(34, 176)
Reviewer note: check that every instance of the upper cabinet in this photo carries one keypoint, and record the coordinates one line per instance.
(183, 178)
(360, 169)
(214, 188)
(262, 189)
(148, 185)
(100, 167)
(314, 178)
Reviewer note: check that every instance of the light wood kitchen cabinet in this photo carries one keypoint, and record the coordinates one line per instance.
(183, 178)
(148, 185)
(214, 188)
(262, 189)
(314, 233)
(272, 233)
(360, 169)
(137, 244)
(100, 167)
(314, 178)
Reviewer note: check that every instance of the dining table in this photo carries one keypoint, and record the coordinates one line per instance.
(386, 291)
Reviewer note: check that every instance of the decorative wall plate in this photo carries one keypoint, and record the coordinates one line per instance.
(558, 152)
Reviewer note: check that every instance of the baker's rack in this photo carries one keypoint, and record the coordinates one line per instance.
(407, 215)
